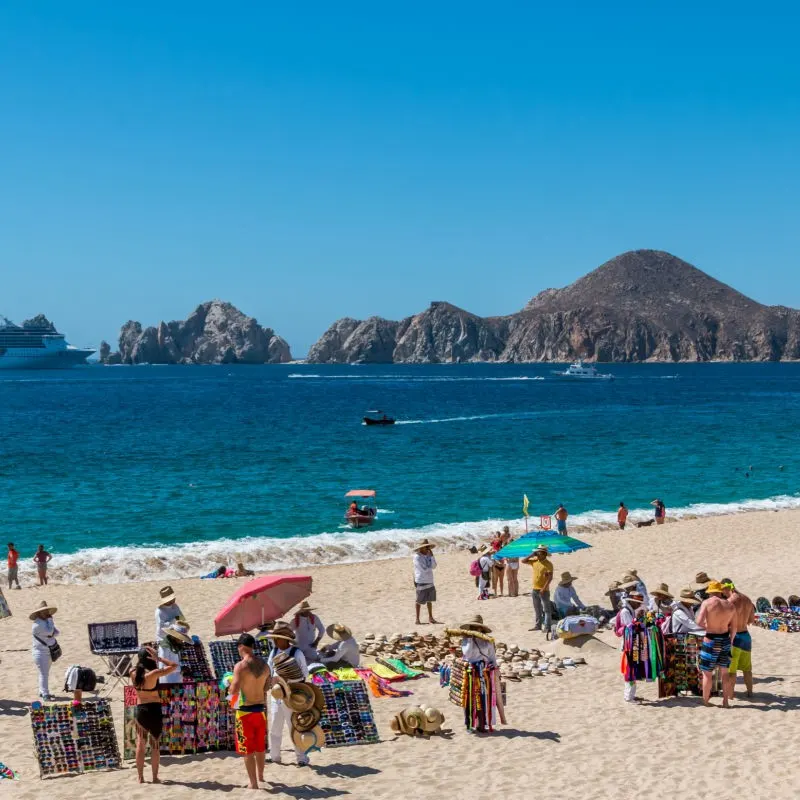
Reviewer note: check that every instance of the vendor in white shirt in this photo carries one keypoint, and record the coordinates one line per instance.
(660, 600)
(167, 613)
(424, 565)
(565, 598)
(682, 618)
(308, 630)
(344, 650)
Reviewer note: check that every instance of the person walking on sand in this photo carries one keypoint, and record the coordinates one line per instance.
(622, 516)
(249, 686)
(424, 565)
(542, 570)
(718, 617)
(741, 650)
(41, 560)
(561, 515)
(13, 566)
(145, 677)
(44, 638)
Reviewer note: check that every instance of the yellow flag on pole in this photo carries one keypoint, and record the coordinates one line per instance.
(524, 505)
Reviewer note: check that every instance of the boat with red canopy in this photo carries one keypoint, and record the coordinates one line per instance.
(365, 514)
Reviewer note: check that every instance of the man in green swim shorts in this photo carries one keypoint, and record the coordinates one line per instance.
(741, 652)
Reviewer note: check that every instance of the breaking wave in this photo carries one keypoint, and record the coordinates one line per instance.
(124, 564)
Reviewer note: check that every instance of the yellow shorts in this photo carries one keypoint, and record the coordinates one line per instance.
(741, 661)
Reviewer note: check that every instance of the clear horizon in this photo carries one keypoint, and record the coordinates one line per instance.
(311, 164)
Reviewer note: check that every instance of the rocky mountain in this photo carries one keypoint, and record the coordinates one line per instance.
(644, 305)
(214, 333)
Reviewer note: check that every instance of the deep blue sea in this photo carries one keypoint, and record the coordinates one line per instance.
(126, 471)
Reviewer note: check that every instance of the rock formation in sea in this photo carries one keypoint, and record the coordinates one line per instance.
(643, 305)
(214, 333)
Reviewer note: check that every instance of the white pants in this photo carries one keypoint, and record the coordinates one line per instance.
(280, 716)
(629, 692)
(41, 658)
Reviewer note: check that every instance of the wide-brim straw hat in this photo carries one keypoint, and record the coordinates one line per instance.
(307, 740)
(282, 632)
(702, 580)
(338, 632)
(629, 582)
(475, 624)
(715, 587)
(43, 606)
(633, 572)
(637, 597)
(305, 606)
(306, 720)
(178, 632)
(687, 596)
(301, 698)
(567, 578)
(662, 590)
(167, 595)
(422, 545)
(287, 668)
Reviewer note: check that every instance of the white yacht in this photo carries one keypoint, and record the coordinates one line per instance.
(37, 345)
(582, 372)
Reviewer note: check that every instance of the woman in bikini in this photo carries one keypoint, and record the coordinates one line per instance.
(145, 678)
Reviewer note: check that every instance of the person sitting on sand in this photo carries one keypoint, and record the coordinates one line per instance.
(718, 617)
(249, 685)
(565, 598)
(424, 565)
(308, 630)
(741, 649)
(145, 677)
(682, 620)
(660, 601)
(345, 650)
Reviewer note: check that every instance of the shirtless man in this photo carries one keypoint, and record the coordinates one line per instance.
(250, 678)
(718, 618)
(741, 658)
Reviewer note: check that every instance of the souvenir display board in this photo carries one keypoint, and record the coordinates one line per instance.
(681, 665)
(347, 718)
(194, 662)
(197, 719)
(225, 654)
(70, 739)
(112, 638)
(5, 611)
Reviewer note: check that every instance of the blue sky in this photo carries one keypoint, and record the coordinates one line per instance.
(308, 161)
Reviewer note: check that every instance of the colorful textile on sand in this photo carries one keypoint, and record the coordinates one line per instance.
(478, 696)
(378, 686)
(383, 670)
(8, 774)
(398, 666)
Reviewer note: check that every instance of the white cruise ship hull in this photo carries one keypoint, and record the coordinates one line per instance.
(43, 358)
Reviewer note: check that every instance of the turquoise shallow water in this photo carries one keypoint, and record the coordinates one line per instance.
(164, 470)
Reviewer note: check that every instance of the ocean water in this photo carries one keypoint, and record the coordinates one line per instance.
(123, 472)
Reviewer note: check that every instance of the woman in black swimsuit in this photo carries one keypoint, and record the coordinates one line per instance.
(145, 677)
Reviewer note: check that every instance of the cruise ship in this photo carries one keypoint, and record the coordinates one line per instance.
(37, 345)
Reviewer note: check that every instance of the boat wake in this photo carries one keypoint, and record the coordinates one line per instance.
(161, 562)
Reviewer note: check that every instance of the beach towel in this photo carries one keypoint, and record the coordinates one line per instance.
(397, 665)
(385, 671)
(322, 676)
(346, 674)
(378, 686)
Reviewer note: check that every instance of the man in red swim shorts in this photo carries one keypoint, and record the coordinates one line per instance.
(250, 677)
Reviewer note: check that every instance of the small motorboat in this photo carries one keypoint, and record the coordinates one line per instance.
(361, 516)
(384, 420)
(582, 372)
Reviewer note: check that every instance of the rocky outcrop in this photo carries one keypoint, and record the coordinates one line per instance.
(214, 333)
(644, 305)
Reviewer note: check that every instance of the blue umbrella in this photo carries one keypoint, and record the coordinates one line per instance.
(554, 543)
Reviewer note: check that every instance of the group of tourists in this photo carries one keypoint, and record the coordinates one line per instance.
(41, 558)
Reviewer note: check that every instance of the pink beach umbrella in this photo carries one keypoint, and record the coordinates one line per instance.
(261, 600)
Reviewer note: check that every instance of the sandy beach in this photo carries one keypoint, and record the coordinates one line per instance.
(568, 735)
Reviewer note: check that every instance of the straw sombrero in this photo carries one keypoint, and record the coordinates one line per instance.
(304, 607)
(702, 580)
(542, 549)
(662, 590)
(287, 668)
(167, 595)
(301, 698)
(687, 596)
(178, 632)
(424, 543)
(636, 596)
(43, 606)
(629, 582)
(338, 632)
(305, 720)
(281, 631)
(567, 578)
(306, 741)
(475, 624)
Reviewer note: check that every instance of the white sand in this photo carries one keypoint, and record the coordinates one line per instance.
(568, 736)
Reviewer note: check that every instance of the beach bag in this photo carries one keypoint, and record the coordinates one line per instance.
(55, 649)
(578, 625)
(475, 569)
